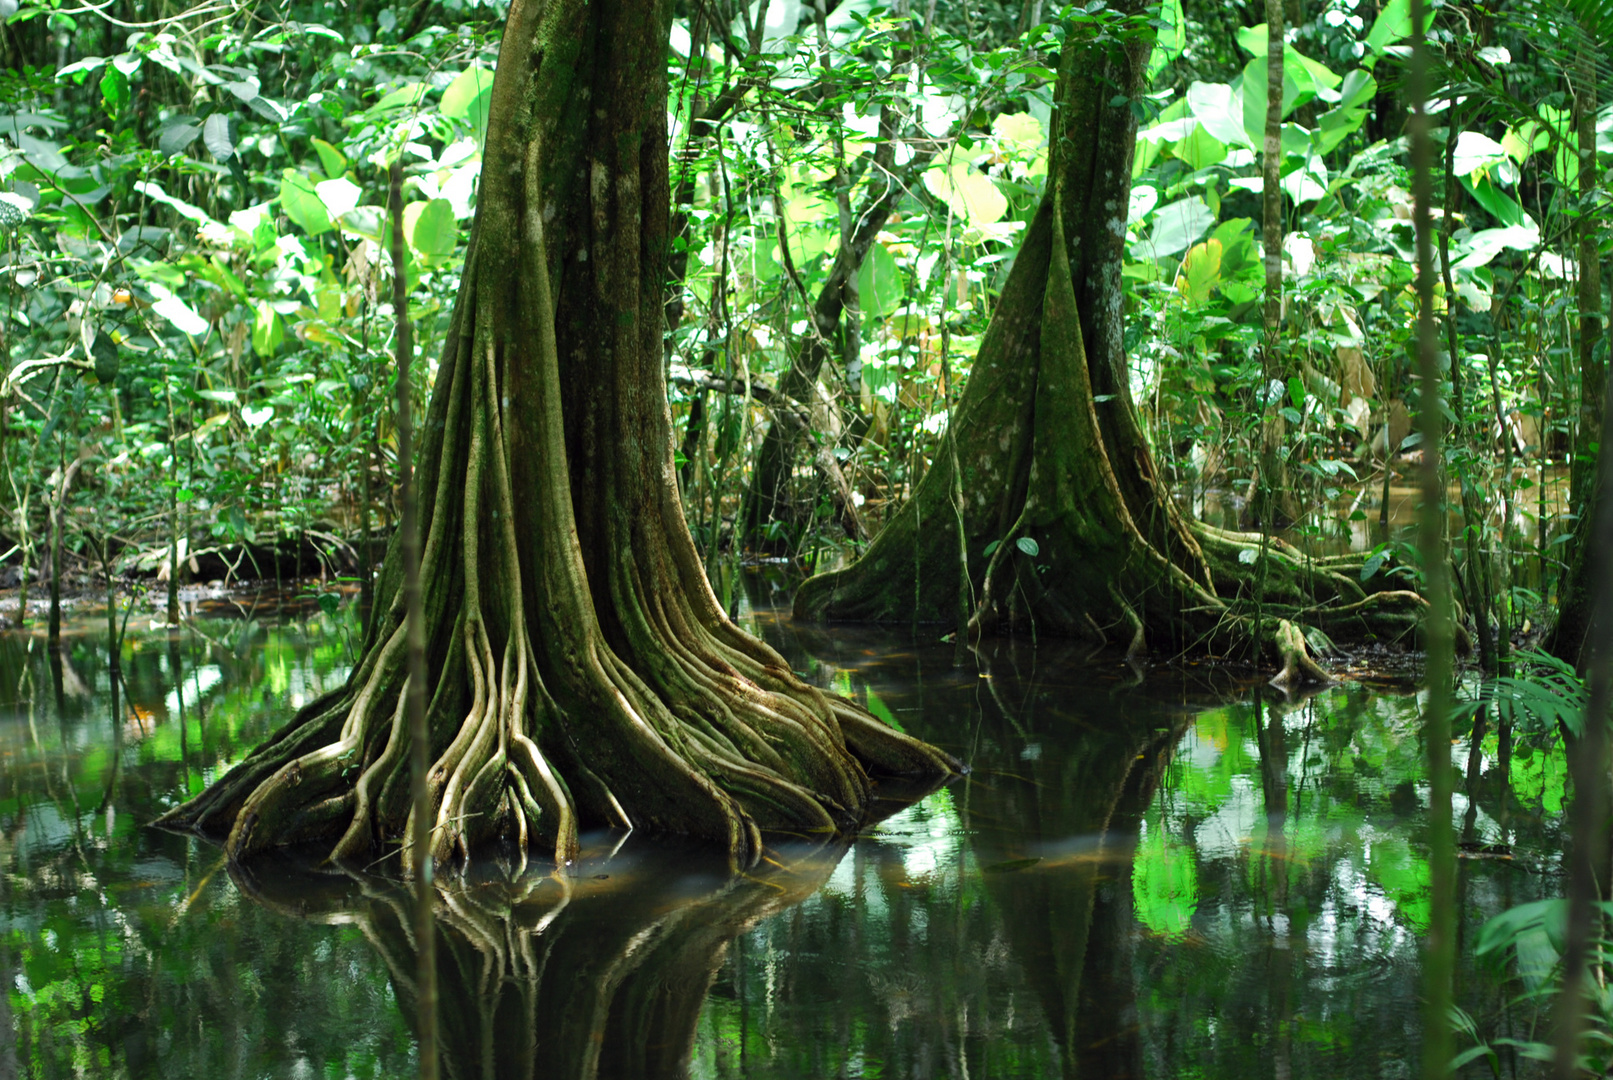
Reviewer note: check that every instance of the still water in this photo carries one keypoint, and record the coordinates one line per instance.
(1146, 874)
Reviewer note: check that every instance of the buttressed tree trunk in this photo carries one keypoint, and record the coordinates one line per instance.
(582, 672)
(1069, 526)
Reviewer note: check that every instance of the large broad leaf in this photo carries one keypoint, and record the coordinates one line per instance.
(1358, 88)
(216, 134)
(1254, 98)
(1475, 152)
(1201, 271)
(180, 315)
(1486, 244)
(1143, 200)
(879, 283)
(267, 330)
(1172, 37)
(1336, 125)
(1306, 183)
(467, 98)
(1219, 111)
(1496, 202)
(302, 204)
(1311, 75)
(154, 191)
(178, 136)
(431, 228)
(339, 196)
(1200, 149)
(1019, 132)
(1392, 24)
(407, 95)
(968, 192)
(1164, 884)
(114, 91)
(1176, 227)
(331, 160)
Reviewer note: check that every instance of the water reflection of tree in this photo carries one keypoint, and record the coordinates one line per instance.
(597, 971)
(1076, 805)
(1066, 758)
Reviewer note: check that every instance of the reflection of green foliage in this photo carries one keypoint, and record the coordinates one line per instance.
(1403, 876)
(877, 706)
(1539, 777)
(1164, 883)
(1206, 788)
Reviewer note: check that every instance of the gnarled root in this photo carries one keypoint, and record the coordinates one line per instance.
(555, 705)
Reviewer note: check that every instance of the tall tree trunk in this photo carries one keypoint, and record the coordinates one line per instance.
(583, 671)
(1070, 527)
(1574, 597)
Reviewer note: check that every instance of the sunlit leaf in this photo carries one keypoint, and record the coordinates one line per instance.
(880, 283)
(302, 204)
(1201, 271)
(969, 193)
(431, 228)
(216, 136)
(467, 98)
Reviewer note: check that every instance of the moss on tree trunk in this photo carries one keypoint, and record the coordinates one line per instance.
(1068, 527)
(582, 672)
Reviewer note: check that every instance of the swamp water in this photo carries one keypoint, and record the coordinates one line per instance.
(1145, 874)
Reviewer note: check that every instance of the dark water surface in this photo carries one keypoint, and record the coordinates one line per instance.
(1159, 874)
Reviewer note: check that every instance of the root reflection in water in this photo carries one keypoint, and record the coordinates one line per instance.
(597, 971)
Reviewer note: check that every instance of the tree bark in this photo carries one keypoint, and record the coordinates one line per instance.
(581, 671)
(1070, 529)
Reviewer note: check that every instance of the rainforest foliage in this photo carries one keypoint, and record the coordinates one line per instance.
(196, 270)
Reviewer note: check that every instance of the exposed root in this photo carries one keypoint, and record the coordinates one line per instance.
(572, 685)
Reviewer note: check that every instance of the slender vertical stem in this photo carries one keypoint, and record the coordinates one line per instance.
(1271, 239)
(171, 616)
(1588, 823)
(56, 546)
(1439, 957)
(419, 737)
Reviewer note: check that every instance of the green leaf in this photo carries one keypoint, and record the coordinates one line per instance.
(331, 160)
(1172, 37)
(114, 91)
(267, 332)
(216, 136)
(468, 97)
(1497, 203)
(338, 196)
(1201, 271)
(1219, 111)
(1359, 87)
(969, 193)
(1028, 546)
(1200, 149)
(404, 96)
(1392, 24)
(431, 228)
(178, 136)
(879, 283)
(180, 315)
(302, 204)
(877, 706)
(1176, 227)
